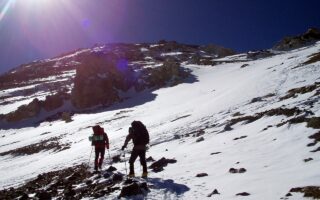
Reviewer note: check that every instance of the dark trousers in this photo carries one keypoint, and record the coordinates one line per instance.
(98, 161)
(134, 154)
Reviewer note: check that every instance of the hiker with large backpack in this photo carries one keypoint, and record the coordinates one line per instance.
(100, 141)
(139, 135)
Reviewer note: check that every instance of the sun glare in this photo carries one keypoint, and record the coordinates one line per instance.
(5, 6)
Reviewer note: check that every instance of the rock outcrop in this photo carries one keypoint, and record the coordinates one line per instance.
(312, 35)
(34, 108)
(98, 79)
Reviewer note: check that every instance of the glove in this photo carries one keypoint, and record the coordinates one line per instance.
(107, 146)
(123, 147)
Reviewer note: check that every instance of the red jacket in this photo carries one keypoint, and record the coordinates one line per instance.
(100, 138)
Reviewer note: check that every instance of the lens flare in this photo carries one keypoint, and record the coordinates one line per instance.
(5, 8)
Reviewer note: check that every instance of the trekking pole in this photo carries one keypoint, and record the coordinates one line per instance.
(90, 156)
(110, 157)
(125, 162)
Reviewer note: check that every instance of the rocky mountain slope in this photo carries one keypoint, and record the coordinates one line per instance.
(100, 76)
(223, 127)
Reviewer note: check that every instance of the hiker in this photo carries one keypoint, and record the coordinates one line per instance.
(100, 141)
(140, 138)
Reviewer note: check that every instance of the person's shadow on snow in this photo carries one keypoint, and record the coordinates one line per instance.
(168, 185)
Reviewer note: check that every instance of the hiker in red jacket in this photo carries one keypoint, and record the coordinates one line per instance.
(100, 141)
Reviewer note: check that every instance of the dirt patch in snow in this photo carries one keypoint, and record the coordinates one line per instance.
(301, 90)
(45, 145)
(313, 58)
(273, 112)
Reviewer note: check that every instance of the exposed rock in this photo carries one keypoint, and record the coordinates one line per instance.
(244, 65)
(316, 150)
(24, 197)
(24, 111)
(215, 191)
(227, 128)
(217, 50)
(54, 101)
(215, 153)
(288, 43)
(314, 122)
(235, 171)
(111, 169)
(308, 191)
(256, 99)
(315, 137)
(254, 55)
(160, 164)
(97, 80)
(88, 182)
(45, 145)
(201, 175)
(33, 109)
(43, 195)
(199, 133)
(69, 192)
(301, 90)
(313, 58)
(185, 116)
(237, 114)
(170, 70)
(277, 111)
(134, 188)
(200, 139)
(116, 159)
(117, 177)
(239, 138)
(307, 159)
(243, 194)
(288, 194)
(65, 116)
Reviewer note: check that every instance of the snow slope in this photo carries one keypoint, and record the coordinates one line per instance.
(273, 158)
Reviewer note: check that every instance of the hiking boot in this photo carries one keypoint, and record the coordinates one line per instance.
(131, 175)
(144, 175)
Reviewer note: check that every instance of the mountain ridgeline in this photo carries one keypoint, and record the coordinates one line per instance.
(95, 77)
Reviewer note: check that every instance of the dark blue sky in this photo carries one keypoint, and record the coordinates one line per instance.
(34, 29)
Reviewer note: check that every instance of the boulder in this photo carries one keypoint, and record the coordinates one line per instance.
(235, 171)
(111, 169)
(243, 194)
(160, 164)
(215, 191)
(201, 175)
(134, 188)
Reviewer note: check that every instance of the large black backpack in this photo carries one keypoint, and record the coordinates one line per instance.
(140, 133)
